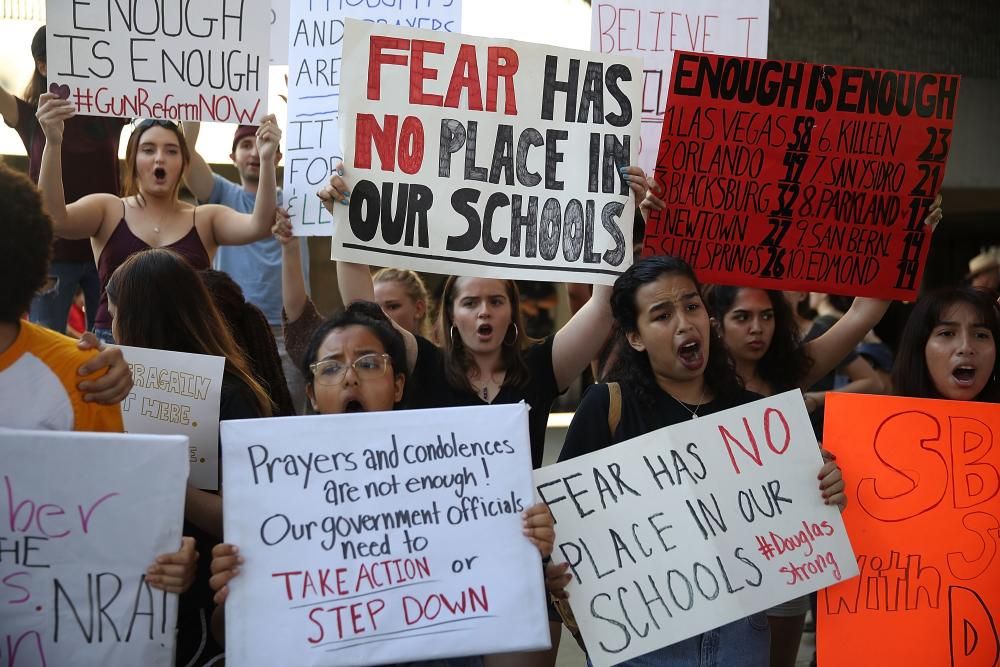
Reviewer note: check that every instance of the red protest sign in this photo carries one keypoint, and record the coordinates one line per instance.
(784, 175)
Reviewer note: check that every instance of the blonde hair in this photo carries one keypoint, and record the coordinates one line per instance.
(413, 286)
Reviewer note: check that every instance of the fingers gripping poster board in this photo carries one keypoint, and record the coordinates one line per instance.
(693, 526)
(379, 538)
(175, 393)
(82, 516)
(485, 157)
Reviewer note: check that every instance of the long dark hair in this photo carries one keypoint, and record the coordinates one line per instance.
(365, 314)
(252, 334)
(910, 375)
(36, 86)
(633, 367)
(457, 359)
(163, 304)
(785, 363)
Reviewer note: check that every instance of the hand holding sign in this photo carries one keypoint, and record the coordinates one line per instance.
(52, 114)
(268, 139)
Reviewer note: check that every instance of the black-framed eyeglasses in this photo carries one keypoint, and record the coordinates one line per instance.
(333, 371)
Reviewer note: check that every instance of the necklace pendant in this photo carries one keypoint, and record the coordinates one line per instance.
(694, 416)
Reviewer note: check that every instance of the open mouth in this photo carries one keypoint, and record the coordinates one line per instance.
(354, 406)
(160, 174)
(484, 330)
(964, 375)
(690, 355)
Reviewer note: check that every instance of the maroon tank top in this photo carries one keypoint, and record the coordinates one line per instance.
(123, 244)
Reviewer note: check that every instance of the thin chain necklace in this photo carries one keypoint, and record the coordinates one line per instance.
(694, 413)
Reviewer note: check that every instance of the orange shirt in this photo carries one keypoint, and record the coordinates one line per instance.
(38, 378)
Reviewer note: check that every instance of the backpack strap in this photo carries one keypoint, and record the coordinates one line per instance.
(614, 406)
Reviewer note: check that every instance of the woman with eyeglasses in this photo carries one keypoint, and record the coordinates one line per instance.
(356, 362)
(150, 214)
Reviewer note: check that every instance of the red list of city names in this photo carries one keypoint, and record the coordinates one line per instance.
(784, 175)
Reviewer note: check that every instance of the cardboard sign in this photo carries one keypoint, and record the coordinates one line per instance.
(654, 29)
(83, 516)
(381, 538)
(204, 61)
(174, 393)
(486, 157)
(924, 493)
(693, 526)
(783, 175)
(314, 46)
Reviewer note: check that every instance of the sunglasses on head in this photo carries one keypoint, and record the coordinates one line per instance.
(150, 122)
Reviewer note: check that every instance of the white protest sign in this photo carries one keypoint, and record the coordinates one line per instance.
(654, 29)
(380, 538)
(315, 44)
(279, 32)
(204, 61)
(694, 526)
(486, 157)
(175, 393)
(82, 516)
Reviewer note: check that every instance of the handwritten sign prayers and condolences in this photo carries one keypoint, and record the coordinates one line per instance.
(174, 393)
(486, 157)
(204, 61)
(923, 481)
(379, 538)
(784, 175)
(83, 516)
(654, 29)
(693, 526)
(316, 38)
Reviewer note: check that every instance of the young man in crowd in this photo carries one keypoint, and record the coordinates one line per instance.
(255, 267)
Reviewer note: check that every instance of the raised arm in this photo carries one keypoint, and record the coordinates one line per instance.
(198, 177)
(829, 349)
(8, 107)
(293, 285)
(82, 219)
(232, 228)
(579, 342)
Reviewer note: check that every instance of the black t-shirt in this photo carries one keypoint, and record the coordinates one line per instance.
(430, 389)
(589, 430)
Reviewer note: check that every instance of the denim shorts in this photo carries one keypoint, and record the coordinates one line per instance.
(742, 643)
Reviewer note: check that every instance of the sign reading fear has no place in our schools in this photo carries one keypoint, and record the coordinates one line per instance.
(924, 482)
(486, 157)
(314, 34)
(655, 29)
(787, 175)
(175, 393)
(381, 538)
(82, 517)
(693, 526)
(197, 61)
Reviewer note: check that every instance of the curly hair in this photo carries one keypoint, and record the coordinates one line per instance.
(785, 363)
(252, 334)
(632, 366)
(25, 244)
(365, 314)
(910, 375)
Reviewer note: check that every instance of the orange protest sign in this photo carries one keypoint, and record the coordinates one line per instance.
(923, 520)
